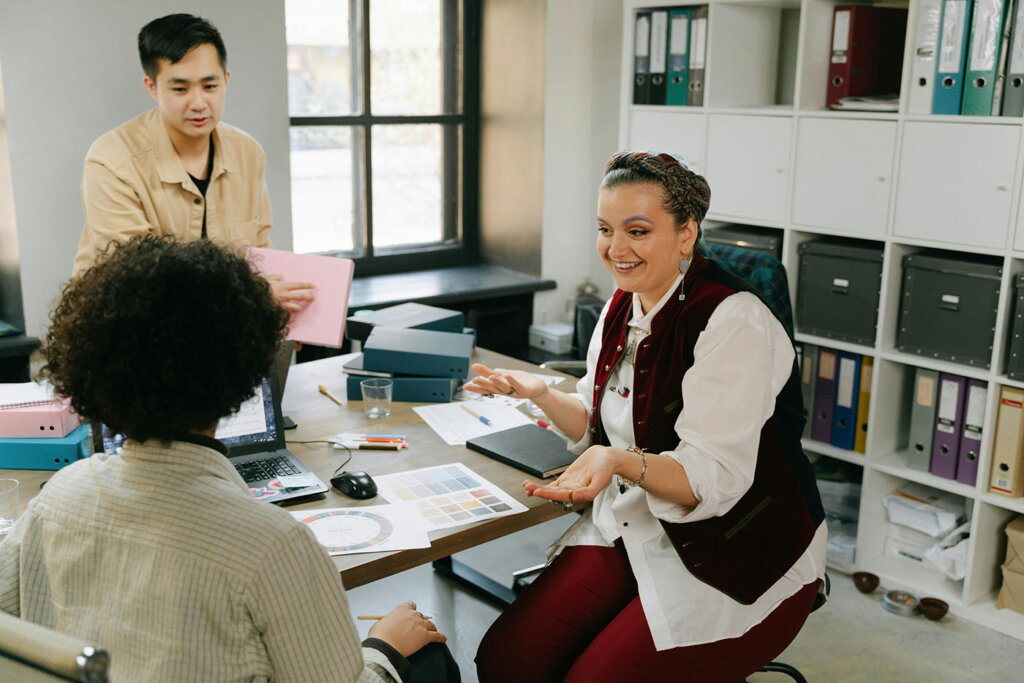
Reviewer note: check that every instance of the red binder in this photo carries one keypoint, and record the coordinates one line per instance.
(867, 51)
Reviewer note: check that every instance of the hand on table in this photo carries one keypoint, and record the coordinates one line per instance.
(587, 476)
(514, 383)
(406, 630)
(290, 295)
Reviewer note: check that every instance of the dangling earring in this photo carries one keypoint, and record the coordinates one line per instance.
(684, 265)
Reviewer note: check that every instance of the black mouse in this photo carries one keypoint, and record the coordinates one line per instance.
(355, 485)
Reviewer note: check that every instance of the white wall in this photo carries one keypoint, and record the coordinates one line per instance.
(71, 71)
(581, 114)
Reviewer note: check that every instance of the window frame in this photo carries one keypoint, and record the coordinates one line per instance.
(460, 243)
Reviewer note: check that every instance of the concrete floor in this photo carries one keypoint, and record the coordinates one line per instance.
(850, 639)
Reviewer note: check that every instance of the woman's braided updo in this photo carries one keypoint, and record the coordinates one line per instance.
(686, 194)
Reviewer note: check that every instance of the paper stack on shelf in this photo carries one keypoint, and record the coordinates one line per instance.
(935, 513)
(868, 103)
(839, 486)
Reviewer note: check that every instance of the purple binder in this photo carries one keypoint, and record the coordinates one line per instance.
(970, 442)
(824, 395)
(948, 425)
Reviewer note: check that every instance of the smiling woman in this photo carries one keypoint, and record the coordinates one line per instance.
(705, 543)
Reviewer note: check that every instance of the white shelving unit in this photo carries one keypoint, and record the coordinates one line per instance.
(774, 157)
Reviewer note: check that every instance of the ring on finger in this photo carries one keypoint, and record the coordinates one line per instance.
(412, 604)
(510, 391)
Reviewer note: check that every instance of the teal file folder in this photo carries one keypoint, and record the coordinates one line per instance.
(949, 71)
(983, 57)
(411, 389)
(424, 353)
(678, 57)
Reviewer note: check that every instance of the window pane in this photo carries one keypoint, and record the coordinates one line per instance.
(319, 58)
(323, 215)
(406, 185)
(405, 57)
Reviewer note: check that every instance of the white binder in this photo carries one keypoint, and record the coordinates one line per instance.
(922, 70)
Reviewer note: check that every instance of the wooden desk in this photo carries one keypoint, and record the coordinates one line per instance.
(319, 418)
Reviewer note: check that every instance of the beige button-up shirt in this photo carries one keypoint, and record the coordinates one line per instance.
(161, 556)
(134, 183)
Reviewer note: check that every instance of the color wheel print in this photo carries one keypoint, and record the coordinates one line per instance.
(348, 530)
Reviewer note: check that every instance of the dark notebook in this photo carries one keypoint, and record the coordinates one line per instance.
(530, 448)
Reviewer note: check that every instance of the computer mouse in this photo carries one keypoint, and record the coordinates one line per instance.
(355, 485)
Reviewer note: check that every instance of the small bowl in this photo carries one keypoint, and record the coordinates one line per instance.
(933, 608)
(900, 602)
(865, 581)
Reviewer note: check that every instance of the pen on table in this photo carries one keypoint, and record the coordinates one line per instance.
(476, 415)
(377, 617)
(323, 390)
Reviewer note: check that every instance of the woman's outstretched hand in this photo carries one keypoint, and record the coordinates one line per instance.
(582, 481)
(514, 383)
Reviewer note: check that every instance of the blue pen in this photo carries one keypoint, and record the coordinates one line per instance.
(476, 415)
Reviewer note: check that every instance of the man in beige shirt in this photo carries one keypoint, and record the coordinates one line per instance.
(178, 169)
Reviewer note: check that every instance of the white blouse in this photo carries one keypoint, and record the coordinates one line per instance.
(742, 360)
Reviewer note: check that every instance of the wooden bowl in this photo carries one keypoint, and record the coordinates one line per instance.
(933, 608)
(865, 582)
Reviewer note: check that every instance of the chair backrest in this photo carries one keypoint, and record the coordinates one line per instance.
(762, 271)
(30, 652)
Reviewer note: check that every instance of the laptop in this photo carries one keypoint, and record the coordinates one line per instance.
(255, 442)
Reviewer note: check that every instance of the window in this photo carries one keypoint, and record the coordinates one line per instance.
(383, 106)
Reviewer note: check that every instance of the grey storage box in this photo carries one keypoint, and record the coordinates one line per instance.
(948, 308)
(767, 240)
(838, 290)
(1015, 347)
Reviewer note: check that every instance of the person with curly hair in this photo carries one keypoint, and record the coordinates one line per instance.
(160, 553)
(703, 551)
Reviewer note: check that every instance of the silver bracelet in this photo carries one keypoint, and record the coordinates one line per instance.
(643, 470)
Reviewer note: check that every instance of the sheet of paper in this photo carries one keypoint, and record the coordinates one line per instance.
(453, 424)
(25, 394)
(322, 321)
(374, 529)
(448, 495)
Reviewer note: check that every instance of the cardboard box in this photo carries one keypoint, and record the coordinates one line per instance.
(1011, 595)
(1015, 546)
(52, 420)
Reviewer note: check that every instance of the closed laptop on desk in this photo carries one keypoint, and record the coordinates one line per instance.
(530, 448)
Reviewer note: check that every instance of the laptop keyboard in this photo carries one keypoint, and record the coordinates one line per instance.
(267, 468)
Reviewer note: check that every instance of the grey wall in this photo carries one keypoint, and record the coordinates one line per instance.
(71, 72)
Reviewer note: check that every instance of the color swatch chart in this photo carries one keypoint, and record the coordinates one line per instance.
(448, 495)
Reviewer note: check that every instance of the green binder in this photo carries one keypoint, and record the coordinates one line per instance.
(983, 57)
(678, 57)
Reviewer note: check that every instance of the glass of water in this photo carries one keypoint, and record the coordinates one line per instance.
(377, 397)
(8, 504)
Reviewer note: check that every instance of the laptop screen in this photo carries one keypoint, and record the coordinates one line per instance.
(253, 428)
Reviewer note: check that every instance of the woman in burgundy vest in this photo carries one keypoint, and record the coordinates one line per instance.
(702, 552)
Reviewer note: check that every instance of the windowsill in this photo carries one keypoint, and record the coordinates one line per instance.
(441, 286)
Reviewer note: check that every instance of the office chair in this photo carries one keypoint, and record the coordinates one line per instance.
(30, 652)
(782, 667)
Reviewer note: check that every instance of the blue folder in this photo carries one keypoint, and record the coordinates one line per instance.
(844, 415)
(424, 353)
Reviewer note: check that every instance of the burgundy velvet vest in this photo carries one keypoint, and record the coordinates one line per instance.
(746, 550)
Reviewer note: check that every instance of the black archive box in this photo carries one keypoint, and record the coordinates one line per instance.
(838, 290)
(766, 240)
(948, 308)
(1015, 348)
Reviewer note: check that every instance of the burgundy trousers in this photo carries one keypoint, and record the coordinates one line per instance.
(581, 620)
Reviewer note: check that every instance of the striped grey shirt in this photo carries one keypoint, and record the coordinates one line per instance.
(161, 556)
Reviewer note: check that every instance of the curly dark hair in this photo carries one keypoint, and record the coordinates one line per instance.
(687, 194)
(162, 338)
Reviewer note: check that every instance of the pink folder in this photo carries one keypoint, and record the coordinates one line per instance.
(52, 420)
(322, 321)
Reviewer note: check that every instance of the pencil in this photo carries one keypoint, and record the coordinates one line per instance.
(323, 390)
(476, 415)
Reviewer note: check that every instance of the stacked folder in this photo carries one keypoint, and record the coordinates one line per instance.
(38, 431)
(839, 485)
(409, 315)
(427, 366)
(669, 48)
(946, 418)
(919, 518)
(1007, 477)
(968, 58)
(867, 52)
(837, 396)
